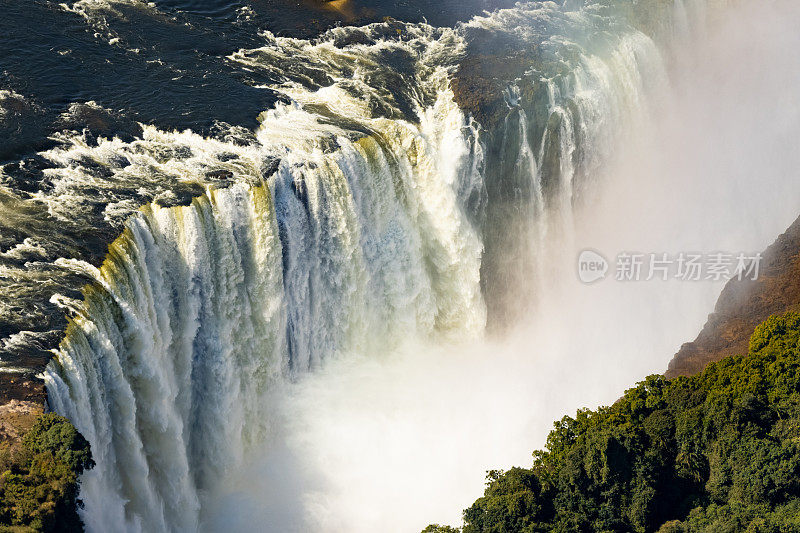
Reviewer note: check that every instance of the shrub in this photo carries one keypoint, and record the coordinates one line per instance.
(39, 489)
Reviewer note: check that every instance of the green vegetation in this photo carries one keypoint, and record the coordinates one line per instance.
(717, 452)
(436, 528)
(39, 484)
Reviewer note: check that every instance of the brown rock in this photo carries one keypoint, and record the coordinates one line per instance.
(16, 418)
(743, 305)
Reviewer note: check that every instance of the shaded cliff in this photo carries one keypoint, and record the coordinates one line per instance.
(524, 78)
(743, 304)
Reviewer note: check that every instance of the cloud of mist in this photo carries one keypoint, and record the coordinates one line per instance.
(396, 441)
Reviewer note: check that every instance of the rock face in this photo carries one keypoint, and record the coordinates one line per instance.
(24, 386)
(16, 418)
(743, 305)
(493, 61)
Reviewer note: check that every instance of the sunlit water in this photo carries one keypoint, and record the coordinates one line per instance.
(303, 346)
(395, 442)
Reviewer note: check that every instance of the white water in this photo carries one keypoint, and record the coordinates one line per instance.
(394, 444)
(359, 260)
(200, 311)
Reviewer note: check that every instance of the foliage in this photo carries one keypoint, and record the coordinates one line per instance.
(39, 486)
(717, 452)
(436, 528)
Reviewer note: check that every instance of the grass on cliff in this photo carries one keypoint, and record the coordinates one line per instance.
(39, 483)
(717, 452)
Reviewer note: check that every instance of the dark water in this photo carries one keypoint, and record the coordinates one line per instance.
(104, 67)
(164, 63)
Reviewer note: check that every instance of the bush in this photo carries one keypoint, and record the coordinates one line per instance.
(436, 528)
(39, 489)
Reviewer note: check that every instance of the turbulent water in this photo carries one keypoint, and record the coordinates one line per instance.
(365, 211)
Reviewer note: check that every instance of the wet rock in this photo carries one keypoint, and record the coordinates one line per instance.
(219, 175)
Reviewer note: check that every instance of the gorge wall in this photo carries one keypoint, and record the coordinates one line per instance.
(743, 305)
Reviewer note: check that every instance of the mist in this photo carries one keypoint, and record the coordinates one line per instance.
(395, 441)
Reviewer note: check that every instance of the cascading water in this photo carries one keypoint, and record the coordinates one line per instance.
(357, 240)
(366, 211)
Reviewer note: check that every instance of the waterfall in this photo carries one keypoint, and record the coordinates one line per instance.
(358, 239)
(589, 80)
(365, 211)
(164, 368)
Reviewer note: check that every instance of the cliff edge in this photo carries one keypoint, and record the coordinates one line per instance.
(743, 304)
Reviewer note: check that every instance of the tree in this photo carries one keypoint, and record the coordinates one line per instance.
(710, 453)
(40, 488)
